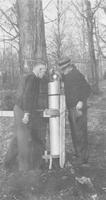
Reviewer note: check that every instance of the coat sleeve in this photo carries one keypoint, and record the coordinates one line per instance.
(85, 89)
(28, 94)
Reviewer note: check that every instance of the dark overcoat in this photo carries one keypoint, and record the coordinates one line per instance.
(26, 144)
(77, 89)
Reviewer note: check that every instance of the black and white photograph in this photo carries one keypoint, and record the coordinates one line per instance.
(52, 99)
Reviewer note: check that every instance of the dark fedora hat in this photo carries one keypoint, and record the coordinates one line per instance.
(64, 63)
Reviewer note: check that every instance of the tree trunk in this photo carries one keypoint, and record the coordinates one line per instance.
(32, 34)
(40, 44)
(93, 75)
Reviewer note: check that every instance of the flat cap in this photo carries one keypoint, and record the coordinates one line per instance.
(64, 63)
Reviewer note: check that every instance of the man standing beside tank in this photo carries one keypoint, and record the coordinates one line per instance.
(26, 133)
(77, 90)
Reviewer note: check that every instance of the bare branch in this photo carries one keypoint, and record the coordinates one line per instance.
(8, 18)
(102, 53)
(6, 41)
(6, 31)
(102, 39)
(77, 8)
(50, 20)
(11, 39)
(98, 37)
(47, 4)
(96, 7)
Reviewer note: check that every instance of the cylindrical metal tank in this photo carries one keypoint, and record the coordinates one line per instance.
(54, 123)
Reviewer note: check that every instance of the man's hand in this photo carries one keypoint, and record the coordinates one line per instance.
(79, 105)
(25, 119)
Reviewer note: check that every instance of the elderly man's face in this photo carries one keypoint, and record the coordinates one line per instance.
(41, 70)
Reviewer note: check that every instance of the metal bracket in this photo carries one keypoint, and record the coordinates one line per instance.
(51, 113)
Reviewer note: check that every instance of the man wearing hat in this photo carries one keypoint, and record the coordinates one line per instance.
(26, 136)
(77, 90)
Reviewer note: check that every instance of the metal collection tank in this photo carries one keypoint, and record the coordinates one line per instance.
(54, 103)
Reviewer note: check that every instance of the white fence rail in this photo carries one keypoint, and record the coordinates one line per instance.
(4, 113)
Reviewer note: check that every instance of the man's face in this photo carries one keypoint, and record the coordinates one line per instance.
(41, 70)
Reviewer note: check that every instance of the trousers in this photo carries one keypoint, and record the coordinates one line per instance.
(25, 145)
(79, 134)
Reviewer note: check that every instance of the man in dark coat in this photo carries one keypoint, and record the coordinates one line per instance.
(77, 90)
(26, 137)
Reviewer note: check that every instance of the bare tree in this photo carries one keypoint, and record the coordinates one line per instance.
(89, 16)
(55, 41)
(102, 35)
(75, 39)
(8, 25)
(90, 28)
(14, 32)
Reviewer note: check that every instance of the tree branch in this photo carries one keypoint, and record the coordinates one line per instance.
(11, 39)
(8, 18)
(96, 7)
(77, 8)
(10, 44)
(50, 20)
(6, 31)
(102, 39)
(47, 4)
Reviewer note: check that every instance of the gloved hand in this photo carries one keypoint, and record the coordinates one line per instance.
(25, 119)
